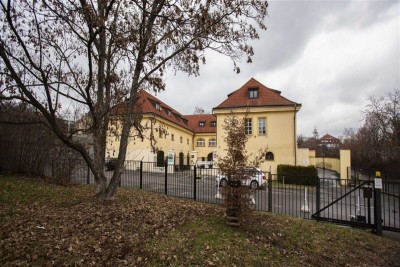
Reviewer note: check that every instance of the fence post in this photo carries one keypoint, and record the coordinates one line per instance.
(369, 205)
(318, 198)
(378, 211)
(166, 177)
(195, 183)
(141, 175)
(269, 192)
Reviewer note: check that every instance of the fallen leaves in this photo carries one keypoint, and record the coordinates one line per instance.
(72, 229)
(64, 226)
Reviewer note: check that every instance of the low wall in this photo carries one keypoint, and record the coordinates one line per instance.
(340, 165)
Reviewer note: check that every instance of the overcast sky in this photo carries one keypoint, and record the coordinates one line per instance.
(330, 56)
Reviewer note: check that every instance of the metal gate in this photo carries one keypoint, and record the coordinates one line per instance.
(358, 203)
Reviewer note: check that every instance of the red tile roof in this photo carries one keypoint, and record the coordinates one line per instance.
(266, 97)
(147, 105)
(327, 138)
(194, 123)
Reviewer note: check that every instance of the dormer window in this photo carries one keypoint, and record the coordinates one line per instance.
(213, 124)
(169, 112)
(202, 123)
(253, 93)
(158, 106)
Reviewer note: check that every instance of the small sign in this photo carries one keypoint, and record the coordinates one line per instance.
(378, 183)
(367, 192)
(170, 158)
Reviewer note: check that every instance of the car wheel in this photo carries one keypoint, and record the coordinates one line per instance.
(223, 182)
(254, 185)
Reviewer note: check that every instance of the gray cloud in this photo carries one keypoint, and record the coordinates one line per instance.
(328, 55)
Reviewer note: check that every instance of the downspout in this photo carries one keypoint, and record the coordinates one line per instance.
(294, 135)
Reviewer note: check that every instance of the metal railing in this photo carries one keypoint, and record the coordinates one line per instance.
(352, 202)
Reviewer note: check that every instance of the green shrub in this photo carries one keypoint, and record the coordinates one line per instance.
(297, 175)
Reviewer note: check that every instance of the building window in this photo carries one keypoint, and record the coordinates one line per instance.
(212, 142)
(202, 124)
(158, 106)
(160, 132)
(213, 124)
(262, 127)
(172, 137)
(187, 141)
(248, 126)
(269, 156)
(253, 93)
(181, 139)
(201, 142)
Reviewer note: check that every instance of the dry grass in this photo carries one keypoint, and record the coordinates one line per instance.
(47, 225)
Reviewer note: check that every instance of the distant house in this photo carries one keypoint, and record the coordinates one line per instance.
(326, 146)
(329, 141)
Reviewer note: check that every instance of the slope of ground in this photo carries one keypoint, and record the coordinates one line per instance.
(48, 225)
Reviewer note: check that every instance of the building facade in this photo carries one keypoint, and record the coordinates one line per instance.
(270, 123)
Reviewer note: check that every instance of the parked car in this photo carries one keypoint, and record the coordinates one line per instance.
(256, 178)
(110, 164)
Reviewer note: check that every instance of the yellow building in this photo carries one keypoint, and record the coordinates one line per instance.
(270, 123)
(199, 139)
(170, 129)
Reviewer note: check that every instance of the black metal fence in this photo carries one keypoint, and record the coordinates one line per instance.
(352, 202)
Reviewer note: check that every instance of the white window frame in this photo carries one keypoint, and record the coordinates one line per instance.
(262, 126)
(248, 126)
(200, 142)
(253, 93)
(212, 142)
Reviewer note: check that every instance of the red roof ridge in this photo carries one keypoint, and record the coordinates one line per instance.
(146, 106)
(195, 119)
(266, 97)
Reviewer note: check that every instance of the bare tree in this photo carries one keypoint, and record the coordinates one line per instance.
(234, 166)
(199, 110)
(315, 133)
(102, 52)
(377, 142)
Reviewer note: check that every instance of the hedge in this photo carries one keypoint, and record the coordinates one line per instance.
(300, 175)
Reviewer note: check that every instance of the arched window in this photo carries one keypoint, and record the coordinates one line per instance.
(200, 142)
(269, 156)
(160, 158)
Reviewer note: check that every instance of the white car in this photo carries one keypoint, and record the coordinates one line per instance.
(257, 179)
